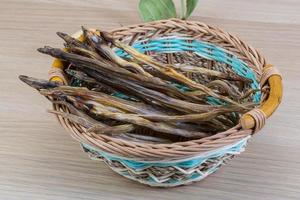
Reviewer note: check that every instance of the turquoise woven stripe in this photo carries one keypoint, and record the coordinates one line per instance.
(203, 49)
(183, 164)
(187, 163)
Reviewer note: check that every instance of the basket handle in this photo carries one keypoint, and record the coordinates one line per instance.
(256, 118)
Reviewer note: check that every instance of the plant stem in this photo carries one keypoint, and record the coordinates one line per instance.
(183, 9)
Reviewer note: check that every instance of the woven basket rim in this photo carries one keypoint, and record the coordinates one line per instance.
(178, 149)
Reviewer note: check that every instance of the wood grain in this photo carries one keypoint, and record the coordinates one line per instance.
(40, 161)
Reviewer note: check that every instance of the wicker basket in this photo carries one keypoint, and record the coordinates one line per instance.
(181, 163)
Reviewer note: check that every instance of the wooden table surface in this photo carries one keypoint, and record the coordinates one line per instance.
(38, 158)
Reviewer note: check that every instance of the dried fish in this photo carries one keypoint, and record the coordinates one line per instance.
(140, 99)
(83, 52)
(96, 128)
(70, 41)
(38, 83)
(157, 126)
(192, 117)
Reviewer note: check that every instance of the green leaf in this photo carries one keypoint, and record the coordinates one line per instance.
(151, 10)
(187, 7)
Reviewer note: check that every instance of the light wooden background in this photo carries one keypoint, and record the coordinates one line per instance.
(38, 160)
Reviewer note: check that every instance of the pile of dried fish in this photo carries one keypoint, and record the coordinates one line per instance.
(139, 98)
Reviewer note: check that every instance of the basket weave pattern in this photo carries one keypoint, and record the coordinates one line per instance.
(168, 173)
